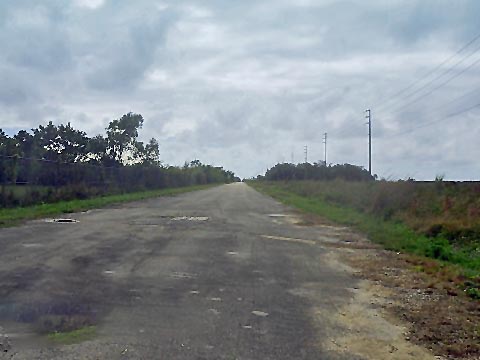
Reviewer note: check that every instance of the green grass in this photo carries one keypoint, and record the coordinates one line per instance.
(14, 216)
(73, 337)
(391, 235)
(19, 191)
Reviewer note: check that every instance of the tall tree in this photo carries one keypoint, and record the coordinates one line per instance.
(122, 137)
(26, 144)
(46, 137)
(150, 153)
(62, 143)
(97, 150)
(73, 143)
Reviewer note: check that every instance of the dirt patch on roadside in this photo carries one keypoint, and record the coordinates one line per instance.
(369, 333)
(360, 328)
(437, 314)
(408, 308)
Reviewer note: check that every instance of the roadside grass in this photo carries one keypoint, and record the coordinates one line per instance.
(22, 191)
(454, 264)
(14, 216)
(73, 337)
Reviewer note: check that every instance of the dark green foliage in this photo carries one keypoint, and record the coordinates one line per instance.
(54, 163)
(317, 171)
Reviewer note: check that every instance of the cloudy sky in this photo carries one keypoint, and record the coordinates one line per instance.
(245, 84)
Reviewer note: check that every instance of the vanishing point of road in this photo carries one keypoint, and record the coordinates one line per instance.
(221, 273)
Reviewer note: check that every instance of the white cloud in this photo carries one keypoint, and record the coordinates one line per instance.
(91, 4)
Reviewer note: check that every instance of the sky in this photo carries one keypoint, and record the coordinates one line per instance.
(247, 84)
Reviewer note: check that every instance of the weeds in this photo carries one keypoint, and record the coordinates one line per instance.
(73, 337)
(10, 217)
(405, 216)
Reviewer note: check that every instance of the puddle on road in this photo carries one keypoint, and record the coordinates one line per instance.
(277, 215)
(50, 317)
(37, 301)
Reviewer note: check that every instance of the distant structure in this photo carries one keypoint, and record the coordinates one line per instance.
(325, 150)
(369, 118)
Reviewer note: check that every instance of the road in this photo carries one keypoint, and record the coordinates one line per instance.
(214, 274)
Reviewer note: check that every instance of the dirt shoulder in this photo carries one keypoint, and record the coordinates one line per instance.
(436, 314)
(406, 308)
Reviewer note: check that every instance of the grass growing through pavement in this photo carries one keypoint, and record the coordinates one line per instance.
(13, 216)
(73, 337)
(393, 235)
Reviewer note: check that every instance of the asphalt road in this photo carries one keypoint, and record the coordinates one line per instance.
(213, 274)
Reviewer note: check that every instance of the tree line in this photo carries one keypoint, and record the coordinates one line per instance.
(317, 171)
(51, 163)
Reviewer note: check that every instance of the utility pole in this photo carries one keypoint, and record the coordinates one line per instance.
(293, 159)
(325, 143)
(369, 118)
(305, 149)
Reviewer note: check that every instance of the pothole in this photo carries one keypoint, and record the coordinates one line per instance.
(61, 221)
(260, 313)
(61, 316)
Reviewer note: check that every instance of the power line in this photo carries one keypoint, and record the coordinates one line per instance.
(437, 87)
(449, 79)
(439, 66)
(445, 105)
(435, 121)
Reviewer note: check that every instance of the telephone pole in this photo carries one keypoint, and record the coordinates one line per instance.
(305, 150)
(369, 118)
(325, 143)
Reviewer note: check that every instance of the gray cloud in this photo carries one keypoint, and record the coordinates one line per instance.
(244, 84)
